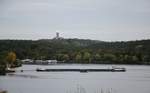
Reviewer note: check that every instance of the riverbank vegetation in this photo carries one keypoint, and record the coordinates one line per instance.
(7, 61)
(3, 91)
(79, 50)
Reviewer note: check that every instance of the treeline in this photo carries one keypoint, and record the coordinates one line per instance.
(80, 51)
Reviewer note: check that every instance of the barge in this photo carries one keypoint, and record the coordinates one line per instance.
(82, 70)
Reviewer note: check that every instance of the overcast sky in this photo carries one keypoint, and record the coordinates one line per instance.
(107, 20)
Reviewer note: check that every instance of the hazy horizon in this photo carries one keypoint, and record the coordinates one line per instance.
(105, 20)
(77, 38)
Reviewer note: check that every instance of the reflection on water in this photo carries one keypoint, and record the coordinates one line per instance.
(80, 89)
(135, 80)
(20, 75)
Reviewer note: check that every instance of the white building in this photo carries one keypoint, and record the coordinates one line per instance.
(27, 61)
(39, 62)
(52, 61)
(45, 62)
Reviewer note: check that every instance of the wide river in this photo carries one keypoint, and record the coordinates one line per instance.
(135, 80)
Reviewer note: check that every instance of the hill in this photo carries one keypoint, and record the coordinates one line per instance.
(80, 50)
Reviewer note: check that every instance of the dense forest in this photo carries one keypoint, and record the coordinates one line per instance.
(79, 50)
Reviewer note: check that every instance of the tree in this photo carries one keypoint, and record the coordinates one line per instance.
(78, 57)
(87, 57)
(97, 57)
(146, 59)
(2, 57)
(120, 59)
(127, 59)
(109, 57)
(65, 57)
(135, 59)
(59, 57)
(11, 58)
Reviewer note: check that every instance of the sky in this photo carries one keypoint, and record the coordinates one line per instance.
(105, 20)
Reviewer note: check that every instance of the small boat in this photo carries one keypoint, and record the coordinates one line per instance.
(119, 69)
(9, 70)
(40, 70)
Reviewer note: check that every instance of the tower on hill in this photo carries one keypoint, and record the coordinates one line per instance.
(57, 36)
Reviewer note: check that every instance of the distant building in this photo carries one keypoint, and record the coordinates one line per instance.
(39, 62)
(57, 37)
(45, 62)
(27, 61)
(52, 61)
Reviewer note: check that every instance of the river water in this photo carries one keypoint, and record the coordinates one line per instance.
(135, 80)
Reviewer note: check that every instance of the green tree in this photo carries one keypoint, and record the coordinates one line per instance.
(127, 59)
(109, 57)
(87, 57)
(120, 59)
(135, 59)
(59, 57)
(65, 57)
(78, 57)
(97, 57)
(146, 59)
